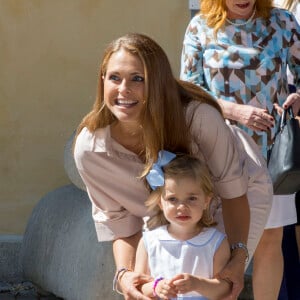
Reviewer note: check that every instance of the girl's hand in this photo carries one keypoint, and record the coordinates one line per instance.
(129, 281)
(234, 273)
(165, 289)
(184, 283)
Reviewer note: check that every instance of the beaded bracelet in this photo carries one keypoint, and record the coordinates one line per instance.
(156, 281)
(240, 246)
(116, 278)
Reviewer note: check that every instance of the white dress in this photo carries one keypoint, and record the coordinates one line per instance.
(168, 257)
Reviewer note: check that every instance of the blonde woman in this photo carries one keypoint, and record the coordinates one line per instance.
(239, 51)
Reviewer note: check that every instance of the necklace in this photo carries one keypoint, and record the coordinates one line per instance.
(245, 23)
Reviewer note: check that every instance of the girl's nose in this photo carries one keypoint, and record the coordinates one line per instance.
(182, 205)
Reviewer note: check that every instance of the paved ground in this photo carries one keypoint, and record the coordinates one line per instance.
(27, 291)
(23, 291)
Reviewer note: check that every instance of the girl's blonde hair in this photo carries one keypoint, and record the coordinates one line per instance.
(182, 166)
(163, 119)
(215, 11)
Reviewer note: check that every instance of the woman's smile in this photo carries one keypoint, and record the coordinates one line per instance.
(124, 86)
(126, 103)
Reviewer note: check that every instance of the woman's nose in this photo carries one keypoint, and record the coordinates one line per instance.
(124, 87)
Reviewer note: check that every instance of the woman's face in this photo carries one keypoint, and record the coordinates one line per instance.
(239, 9)
(124, 86)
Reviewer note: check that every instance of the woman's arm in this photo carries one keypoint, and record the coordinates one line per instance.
(253, 117)
(192, 55)
(236, 215)
(229, 171)
(124, 250)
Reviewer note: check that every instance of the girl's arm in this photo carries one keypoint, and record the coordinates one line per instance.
(162, 288)
(141, 266)
(214, 288)
(124, 250)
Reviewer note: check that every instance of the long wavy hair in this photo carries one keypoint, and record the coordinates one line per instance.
(215, 11)
(290, 4)
(163, 118)
(182, 166)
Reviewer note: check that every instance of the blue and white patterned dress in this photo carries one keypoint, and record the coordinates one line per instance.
(168, 257)
(245, 64)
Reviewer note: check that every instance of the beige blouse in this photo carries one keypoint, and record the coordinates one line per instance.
(110, 172)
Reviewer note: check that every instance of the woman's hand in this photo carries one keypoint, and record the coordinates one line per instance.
(129, 282)
(292, 100)
(234, 273)
(254, 118)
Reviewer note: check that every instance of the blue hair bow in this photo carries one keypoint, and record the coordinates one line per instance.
(156, 176)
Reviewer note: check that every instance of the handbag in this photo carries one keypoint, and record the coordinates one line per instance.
(284, 155)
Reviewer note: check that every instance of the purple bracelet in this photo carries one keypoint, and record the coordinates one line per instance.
(156, 281)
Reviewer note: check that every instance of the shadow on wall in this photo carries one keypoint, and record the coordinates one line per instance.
(60, 252)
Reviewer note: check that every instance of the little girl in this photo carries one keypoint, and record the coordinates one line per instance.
(182, 251)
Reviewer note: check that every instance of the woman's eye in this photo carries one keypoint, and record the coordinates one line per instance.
(138, 78)
(113, 77)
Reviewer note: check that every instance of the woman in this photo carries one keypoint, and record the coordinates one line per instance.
(140, 109)
(291, 234)
(238, 51)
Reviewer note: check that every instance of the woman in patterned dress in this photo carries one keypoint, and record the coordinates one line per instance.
(239, 51)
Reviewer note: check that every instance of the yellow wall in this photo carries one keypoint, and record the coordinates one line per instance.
(50, 50)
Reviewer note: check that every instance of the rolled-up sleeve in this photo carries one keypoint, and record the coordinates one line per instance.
(215, 143)
(192, 55)
(113, 186)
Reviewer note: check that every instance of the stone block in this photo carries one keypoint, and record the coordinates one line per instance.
(69, 164)
(60, 252)
(10, 267)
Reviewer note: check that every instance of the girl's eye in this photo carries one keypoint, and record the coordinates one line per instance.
(171, 199)
(138, 78)
(192, 198)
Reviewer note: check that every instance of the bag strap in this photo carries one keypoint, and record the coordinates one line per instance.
(282, 122)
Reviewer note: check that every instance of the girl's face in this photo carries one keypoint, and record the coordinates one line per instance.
(183, 202)
(239, 9)
(124, 86)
